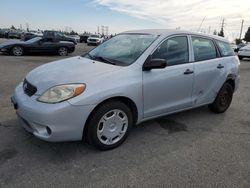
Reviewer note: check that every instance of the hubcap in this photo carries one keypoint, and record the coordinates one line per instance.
(224, 98)
(63, 51)
(112, 127)
(17, 51)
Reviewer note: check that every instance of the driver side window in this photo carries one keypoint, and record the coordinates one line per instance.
(174, 51)
(46, 40)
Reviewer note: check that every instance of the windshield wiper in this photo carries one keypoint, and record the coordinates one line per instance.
(103, 59)
(106, 60)
(91, 57)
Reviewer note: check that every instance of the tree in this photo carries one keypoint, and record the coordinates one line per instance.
(238, 41)
(13, 27)
(221, 33)
(247, 35)
(73, 33)
(215, 32)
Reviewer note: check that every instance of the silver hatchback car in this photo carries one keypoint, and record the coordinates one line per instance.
(133, 77)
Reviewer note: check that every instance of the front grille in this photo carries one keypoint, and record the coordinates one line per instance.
(92, 40)
(28, 88)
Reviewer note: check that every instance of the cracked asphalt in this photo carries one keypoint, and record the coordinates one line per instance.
(195, 148)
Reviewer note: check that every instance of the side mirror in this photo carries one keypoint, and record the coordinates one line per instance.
(154, 64)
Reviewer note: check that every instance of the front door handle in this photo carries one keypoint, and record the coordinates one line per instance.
(188, 71)
(220, 66)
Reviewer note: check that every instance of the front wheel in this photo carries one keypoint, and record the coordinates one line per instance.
(223, 99)
(109, 125)
(63, 51)
(17, 51)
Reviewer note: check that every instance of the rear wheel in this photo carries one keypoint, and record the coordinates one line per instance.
(17, 51)
(223, 99)
(109, 125)
(63, 51)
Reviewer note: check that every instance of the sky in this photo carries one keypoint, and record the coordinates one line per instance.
(121, 15)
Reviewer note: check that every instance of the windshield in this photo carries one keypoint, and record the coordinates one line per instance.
(94, 36)
(34, 40)
(123, 49)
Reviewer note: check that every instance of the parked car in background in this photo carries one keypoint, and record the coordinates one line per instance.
(244, 52)
(4, 33)
(58, 36)
(239, 46)
(76, 37)
(29, 35)
(37, 45)
(133, 77)
(83, 38)
(94, 40)
(14, 34)
(234, 47)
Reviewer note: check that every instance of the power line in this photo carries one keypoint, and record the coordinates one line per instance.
(201, 23)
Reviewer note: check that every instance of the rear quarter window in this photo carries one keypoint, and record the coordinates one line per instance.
(225, 49)
(204, 49)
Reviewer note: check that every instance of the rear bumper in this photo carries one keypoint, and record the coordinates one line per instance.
(50, 122)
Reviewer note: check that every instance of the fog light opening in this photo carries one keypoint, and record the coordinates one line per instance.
(48, 130)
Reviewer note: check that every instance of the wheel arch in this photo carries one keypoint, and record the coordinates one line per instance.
(19, 45)
(231, 80)
(127, 101)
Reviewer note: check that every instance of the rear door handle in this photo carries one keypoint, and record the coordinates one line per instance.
(220, 66)
(188, 71)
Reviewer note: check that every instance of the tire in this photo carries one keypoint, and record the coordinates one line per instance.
(63, 51)
(240, 57)
(223, 99)
(17, 51)
(109, 125)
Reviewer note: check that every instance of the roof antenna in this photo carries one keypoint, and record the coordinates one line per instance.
(201, 23)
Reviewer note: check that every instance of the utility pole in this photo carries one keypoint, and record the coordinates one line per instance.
(102, 28)
(209, 29)
(106, 30)
(27, 27)
(223, 23)
(221, 33)
(242, 22)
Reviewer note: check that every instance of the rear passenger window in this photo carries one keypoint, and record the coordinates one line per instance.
(204, 49)
(173, 50)
(225, 49)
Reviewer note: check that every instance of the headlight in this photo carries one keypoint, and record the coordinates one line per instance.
(61, 93)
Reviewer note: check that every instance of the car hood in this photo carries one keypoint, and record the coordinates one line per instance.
(70, 70)
(10, 43)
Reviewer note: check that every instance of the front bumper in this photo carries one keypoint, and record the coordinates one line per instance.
(50, 122)
(94, 42)
(3, 50)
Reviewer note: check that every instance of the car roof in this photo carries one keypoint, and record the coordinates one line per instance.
(168, 32)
